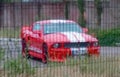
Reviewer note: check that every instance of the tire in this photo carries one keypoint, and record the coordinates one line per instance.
(25, 51)
(45, 52)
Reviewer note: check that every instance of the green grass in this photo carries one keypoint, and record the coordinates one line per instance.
(18, 66)
(1, 58)
(99, 65)
(1, 53)
(94, 65)
(9, 32)
(80, 67)
(72, 67)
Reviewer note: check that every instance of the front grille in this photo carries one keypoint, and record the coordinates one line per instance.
(76, 44)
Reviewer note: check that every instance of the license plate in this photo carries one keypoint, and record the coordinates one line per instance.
(79, 51)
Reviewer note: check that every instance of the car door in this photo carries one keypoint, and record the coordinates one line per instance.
(36, 40)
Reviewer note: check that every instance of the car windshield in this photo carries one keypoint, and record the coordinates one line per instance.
(61, 27)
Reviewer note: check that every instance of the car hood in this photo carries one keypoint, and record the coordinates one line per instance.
(69, 37)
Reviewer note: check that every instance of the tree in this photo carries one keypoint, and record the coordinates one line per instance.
(99, 9)
(6, 1)
(81, 6)
(39, 9)
(66, 9)
(1, 2)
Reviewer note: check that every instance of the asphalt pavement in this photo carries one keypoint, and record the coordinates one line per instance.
(12, 49)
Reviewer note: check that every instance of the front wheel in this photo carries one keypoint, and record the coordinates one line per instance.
(25, 51)
(45, 53)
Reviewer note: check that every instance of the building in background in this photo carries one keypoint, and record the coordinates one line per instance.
(16, 14)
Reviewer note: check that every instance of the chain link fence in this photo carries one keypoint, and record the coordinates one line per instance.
(16, 14)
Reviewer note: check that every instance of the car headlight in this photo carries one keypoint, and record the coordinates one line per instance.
(95, 44)
(57, 45)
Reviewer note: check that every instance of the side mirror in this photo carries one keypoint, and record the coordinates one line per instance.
(85, 30)
(38, 32)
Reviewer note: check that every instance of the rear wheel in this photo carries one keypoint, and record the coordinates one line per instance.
(25, 51)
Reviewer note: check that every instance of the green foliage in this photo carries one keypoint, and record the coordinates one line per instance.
(6, 1)
(99, 8)
(1, 53)
(108, 37)
(18, 66)
(81, 6)
(10, 32)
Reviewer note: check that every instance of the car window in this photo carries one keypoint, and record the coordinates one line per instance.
(61, 27)
(36, 26)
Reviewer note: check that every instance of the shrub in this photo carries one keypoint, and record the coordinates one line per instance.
(108, 37)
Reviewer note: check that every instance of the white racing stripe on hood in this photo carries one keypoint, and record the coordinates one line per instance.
(79, 37)
(74, 36)
(70, 36)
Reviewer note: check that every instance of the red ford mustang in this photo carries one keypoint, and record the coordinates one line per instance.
(54, 40)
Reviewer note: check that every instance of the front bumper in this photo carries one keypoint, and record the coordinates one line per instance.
(94, 50)
(60, 54)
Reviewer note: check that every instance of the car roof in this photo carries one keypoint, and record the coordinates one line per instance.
(55, 21)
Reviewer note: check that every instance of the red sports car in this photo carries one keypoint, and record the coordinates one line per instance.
(54, 40)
